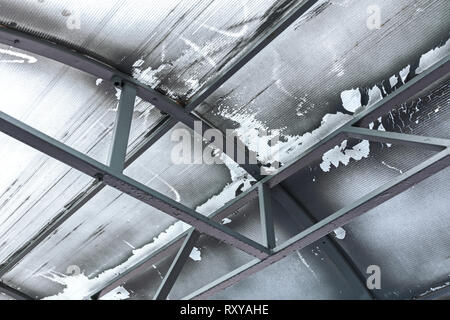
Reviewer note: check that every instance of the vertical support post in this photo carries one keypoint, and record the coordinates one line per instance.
(265, 210)
(122, 128)
(177, 265)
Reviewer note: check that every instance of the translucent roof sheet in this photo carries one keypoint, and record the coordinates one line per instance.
(175, 45)
(319, 62)
(327, 68)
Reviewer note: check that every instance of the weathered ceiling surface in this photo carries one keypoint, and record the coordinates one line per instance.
(65, 235)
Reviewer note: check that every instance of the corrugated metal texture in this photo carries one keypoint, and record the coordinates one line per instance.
(323, 193)
(293, 84)
(218, 259)
(99, 238)
(190, 184)
(34, 189)
(428, 114)
(183, 42)
(307, 274)
(408, 238)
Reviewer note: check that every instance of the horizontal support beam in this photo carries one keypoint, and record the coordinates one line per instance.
(435, 144)
(334, 221)
(171, 246)
(303, 160)
(139, 191)
(82, 198)
(13, 293)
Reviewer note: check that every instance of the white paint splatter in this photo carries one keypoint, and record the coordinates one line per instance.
(340, 154)
(405, 72)
(351, 99)
(98, 82)
(306, 264)
(375, 96)
(226, 221)
(433, 56)
(195, 255)
(24, 58)
(393, 81)
(340, 233)
(391, 167)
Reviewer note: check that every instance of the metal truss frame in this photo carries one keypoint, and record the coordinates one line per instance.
(112, 174)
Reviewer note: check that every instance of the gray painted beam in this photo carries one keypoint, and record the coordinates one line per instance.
(328, 142)
(82, 198)
(122, 128)
(133, 188)
(435, 144)
(266, 217)
(327, 225)
(417, 84)
(172, 245)
(13, 293)
(177, 265)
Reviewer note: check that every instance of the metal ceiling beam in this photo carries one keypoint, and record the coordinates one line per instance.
(398, 97)
(82, 198)
(336, 220)
(435, 144)
(133, 188)
(122, 127)
(177, 265)
(171, 246)
(13, 293)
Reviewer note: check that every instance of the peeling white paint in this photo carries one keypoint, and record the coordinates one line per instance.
(391, 167)
(342, 155)
(351, 99)
(195, 255)
(393, 81)
(23, 58)
(80, 287)
(226, 221)
(306, 264)
(375, 96)
(404, 73)
(340, 233)
(433, 56)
